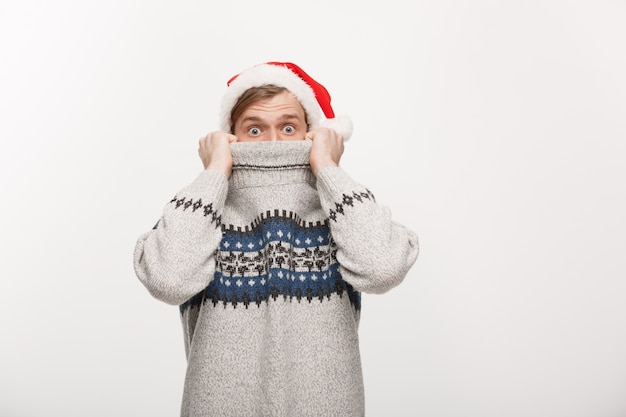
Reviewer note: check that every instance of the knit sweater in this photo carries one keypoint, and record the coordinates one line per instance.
(267, 268)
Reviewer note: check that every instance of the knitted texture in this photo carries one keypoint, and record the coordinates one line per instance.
(267, 268)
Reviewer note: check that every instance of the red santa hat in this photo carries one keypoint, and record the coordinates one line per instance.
(312, 95)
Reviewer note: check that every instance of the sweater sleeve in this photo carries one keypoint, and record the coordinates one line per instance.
(176, 259)
(374, 252)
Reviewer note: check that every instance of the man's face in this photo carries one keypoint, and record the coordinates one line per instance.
(278, 118)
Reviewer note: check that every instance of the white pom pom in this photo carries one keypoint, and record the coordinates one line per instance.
(341, 125)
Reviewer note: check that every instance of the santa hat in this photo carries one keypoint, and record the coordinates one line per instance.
(312, 95)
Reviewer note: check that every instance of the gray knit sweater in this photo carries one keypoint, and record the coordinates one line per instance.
(267, 268)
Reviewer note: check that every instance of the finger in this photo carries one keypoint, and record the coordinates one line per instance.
(204, 140)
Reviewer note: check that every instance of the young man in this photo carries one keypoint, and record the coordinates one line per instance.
(266, 253)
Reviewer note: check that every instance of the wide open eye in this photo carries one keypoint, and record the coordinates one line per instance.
(254, 131)
(289, 129)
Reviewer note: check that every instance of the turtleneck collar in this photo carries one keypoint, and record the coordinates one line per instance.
(270, 163)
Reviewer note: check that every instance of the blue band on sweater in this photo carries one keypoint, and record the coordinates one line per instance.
(276, 257)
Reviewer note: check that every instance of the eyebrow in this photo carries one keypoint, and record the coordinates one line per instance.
(288, 116)
(255, 119)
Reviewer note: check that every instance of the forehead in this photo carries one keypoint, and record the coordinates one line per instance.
(279, 105)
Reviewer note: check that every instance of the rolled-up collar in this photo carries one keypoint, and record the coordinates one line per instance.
(270, 163)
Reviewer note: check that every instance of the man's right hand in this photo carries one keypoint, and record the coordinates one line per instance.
(214, 150)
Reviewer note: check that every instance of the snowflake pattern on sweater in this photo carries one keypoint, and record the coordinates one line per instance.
(278, 257)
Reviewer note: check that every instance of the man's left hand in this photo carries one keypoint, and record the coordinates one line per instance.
(326, 150)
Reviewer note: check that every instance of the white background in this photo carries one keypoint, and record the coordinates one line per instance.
(494, 129)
